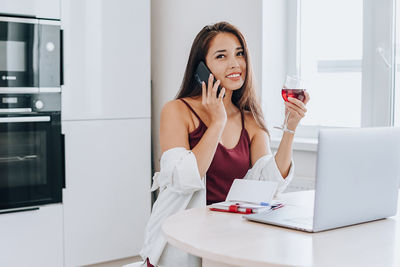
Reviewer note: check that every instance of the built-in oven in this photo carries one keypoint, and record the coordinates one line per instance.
(30, 55)
(31, 150)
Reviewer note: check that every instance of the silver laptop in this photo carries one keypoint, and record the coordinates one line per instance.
(357, 180)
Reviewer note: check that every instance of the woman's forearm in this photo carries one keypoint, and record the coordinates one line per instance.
(205, 148)
(283, 156)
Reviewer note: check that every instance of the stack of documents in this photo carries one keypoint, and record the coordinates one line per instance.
(248, 196)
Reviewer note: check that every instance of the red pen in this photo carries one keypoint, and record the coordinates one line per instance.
(234, 209)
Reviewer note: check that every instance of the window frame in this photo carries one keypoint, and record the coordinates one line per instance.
(377, 65)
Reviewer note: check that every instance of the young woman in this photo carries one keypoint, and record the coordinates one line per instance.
(225, 132)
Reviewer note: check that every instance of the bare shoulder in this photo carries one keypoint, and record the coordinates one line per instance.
(176, 112)
(251, 125)
(173, 126)
(177, 105)
(173, 106)
(174, 109)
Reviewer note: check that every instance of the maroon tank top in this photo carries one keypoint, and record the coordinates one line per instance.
(227, 164)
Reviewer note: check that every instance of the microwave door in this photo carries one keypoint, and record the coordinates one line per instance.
(19, 52)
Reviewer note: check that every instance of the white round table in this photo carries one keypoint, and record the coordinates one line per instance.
(226, 239)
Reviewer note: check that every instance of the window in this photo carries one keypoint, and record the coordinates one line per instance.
(330, 60)
(345, 50)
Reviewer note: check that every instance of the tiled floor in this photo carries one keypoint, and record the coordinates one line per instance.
(117, 263)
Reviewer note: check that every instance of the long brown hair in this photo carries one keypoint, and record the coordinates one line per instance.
(244, 98)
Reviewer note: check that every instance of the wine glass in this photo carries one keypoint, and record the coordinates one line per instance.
(293, 87)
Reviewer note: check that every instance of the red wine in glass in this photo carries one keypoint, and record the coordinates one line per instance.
(298, 93)
(295, 93)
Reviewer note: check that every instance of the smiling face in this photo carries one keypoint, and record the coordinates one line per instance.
(225, 59)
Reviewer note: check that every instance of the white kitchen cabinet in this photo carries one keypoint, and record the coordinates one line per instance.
(106, 59)
(107, 195)
(32, 238)
(37, 8)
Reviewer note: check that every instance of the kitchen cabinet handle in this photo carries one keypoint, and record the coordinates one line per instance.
(63, 159)
(61, 57)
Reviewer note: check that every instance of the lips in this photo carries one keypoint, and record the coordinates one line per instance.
(234, 76)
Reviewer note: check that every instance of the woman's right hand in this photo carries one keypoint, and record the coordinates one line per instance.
(212, 103)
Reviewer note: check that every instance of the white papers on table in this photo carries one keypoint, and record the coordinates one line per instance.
(249, 194)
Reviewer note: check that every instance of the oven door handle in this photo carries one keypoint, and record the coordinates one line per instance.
(25, 119)
(17, 158)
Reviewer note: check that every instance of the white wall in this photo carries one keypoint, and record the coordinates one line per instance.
(175, 23)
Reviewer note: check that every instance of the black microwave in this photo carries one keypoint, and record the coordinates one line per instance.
(30, 55)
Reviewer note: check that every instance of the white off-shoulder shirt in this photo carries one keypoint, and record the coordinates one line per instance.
(181, 187)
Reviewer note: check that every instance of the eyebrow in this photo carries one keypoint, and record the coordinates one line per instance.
(224, 50)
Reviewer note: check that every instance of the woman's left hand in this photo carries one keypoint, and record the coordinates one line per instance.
(297, 111)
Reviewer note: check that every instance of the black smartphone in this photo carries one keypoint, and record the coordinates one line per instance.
(202, 74)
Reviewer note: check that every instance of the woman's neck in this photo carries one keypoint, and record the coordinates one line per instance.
(229, 106)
